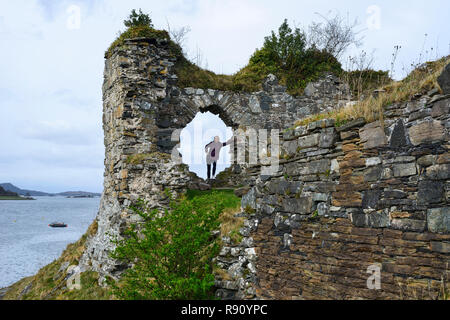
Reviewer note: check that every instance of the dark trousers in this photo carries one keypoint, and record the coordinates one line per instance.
(214, 164)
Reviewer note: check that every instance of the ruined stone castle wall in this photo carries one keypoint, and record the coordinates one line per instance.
(342, 200)
(143, 110)
(348, 199)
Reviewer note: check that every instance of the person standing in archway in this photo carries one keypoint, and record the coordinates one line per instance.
(212, 150)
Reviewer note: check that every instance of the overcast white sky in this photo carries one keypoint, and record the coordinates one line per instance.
(51, 137)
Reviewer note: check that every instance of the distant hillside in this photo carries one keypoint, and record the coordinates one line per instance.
(9, 195)
(5, 193)
(22, 192)
(12, 188)
(78, 194)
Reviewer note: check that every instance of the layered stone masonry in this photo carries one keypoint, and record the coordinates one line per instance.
(350, 197)
(134, 168)
(344, 198)
(143, 113)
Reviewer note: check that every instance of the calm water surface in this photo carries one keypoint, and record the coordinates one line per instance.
(27, 243)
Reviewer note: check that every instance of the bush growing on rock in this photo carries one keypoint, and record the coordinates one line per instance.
(171, 253)
(294, 56)
(286, 55)
(139, 25)
(138, 20)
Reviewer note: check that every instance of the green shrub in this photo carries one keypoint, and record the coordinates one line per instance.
(139, 25)
(287, 56)
(138, 20)
(171, 253)
(284, 54)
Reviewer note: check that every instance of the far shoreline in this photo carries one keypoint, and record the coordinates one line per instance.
(12, 198)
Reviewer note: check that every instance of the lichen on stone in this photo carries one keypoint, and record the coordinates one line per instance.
(142, 157)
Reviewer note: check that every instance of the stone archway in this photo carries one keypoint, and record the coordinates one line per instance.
(300, 210)
(216, 110)
(143, 107)
(199, 133)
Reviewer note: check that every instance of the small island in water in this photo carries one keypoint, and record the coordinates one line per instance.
(9, 195)
(12, 192)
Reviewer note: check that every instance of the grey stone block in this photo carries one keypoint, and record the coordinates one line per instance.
(439, 220)
(309, 141)
(301, 206)
(430, 192)
(405, 169)
(408, 225)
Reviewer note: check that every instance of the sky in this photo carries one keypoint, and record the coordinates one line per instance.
(197, 134)
(52, 59)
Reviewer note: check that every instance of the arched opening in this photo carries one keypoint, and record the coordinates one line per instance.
(199, 133)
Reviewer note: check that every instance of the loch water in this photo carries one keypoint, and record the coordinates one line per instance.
(27, 243)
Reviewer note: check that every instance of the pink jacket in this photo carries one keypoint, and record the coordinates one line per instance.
(213, 149)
